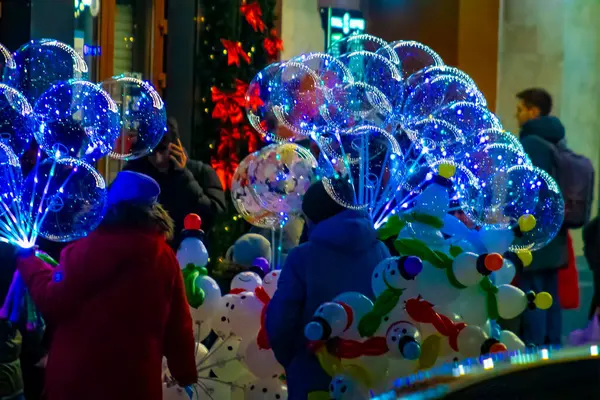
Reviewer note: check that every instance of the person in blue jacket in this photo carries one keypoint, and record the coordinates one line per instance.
(341, 252)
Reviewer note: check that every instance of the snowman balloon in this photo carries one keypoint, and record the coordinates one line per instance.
(192, 250)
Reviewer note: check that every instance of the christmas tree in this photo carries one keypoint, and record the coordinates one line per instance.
(237, 39)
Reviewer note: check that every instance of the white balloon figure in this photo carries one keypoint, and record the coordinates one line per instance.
(396, 273)
(270, 282)
(246, 281)
(192, 250)
(330, 320)
(359, 305)
(404, 341)
(343, 387)
(244, 315)
(266, 389)
(261, 362)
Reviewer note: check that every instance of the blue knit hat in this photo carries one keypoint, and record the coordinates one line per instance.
(133, 187)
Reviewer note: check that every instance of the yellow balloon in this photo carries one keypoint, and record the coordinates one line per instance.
(287, 152)
(430, 350)
(527, 222)
(525, 256)
(330, 364)
(543, 300)
(446, 170)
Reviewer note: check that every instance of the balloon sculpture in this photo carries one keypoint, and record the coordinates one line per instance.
(422, 152)
(45, 95)
(240, 364)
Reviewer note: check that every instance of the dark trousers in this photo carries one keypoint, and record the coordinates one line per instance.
(542, 327)
(596, 299)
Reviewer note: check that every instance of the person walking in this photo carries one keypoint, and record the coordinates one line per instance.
(341, 252)
(117, 303)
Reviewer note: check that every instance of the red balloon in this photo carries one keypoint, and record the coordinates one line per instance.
(192, 222)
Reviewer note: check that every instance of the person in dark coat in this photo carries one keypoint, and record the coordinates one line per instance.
(339, 256)
(187, 186)
(539, 132)
(117, 303)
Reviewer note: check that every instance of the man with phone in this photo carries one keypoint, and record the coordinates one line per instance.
(186, 186)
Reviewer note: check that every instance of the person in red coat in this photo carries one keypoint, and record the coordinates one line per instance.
(118, 303)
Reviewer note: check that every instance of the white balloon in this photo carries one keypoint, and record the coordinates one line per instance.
(244, 315)
(397, 314)
(471, 305)
(496, 240)
(464, 267)
(470, 340)
(360, 305)
(454, 227)
(208, 389)
(262, 363)
(247, 281)
(505, 275)
(434, 201)
(266, 389)
(270, 282)
(223, 360)
(212, 298)
(511, 341)
(377, 277)
(428, 234)
(433, 285)
(192, 251)
(174, 393)
(404, 341)
(221, 323)
(201, 352)
(343, 387)
(512, 301)
(329, 321)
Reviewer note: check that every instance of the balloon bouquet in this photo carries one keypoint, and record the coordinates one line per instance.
(240, 364)
(45, 95)
(438, 175)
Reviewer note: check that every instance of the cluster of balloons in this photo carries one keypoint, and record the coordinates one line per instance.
(434, 304)
(45, 95)
(384, 116)
(240, 364)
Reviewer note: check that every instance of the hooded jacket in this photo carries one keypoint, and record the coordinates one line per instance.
(537, 136)
(339, 257)
(118, 304)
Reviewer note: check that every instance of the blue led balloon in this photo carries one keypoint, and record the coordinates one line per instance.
(41, 64)
(490, 165)
(260, 105)
(540, 197)
(17, 121)
(11, 177)
(143, 117)
(441, 139)
(77, 119)
(69, 199)
(7, 62)
(363, 42)
(414, 56)
(428, 73)
(497, 136)
(437, 93)
(469, 118)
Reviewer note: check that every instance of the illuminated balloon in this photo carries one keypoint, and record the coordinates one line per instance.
(11, 177)
(7, 62)
(279, 177)
(76, 119)
(143, 117)
(468, 118)
(17, 121)
(414, 56)
(244, 196)
(428, 73)
(40, 64)
(67, 199)
(363, 42)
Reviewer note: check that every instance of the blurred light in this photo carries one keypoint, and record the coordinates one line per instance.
(488, 363)
(544, 354)
(594, 350)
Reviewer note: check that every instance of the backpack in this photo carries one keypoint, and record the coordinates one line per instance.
(574, 174)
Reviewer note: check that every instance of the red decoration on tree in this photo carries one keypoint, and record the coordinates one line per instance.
(253, 15)
(234, 52)
(229, 106)
(253, 99)
(273, 45)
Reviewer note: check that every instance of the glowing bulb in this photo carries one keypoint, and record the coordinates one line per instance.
(594, 350)
(488, 363)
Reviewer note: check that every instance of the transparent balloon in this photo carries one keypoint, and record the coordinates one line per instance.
(11, 177)
(538, 187)
(377, 71)
(280, 176)
(66, 197)
(143, 117)
(42, 63)
(490, 165)
(429, 73)
(497, 136)
(7, 62)
(76, 119)
(363, 42)
(17, 121)
(358, 103)
(441, 139)
(414, 56)
(369, 163)
(469, 118)
(431, 96)
(245, 199)
(299, 99)
(259, 106)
